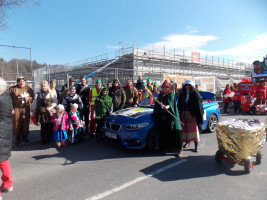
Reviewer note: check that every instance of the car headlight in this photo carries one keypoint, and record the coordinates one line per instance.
(136, 126)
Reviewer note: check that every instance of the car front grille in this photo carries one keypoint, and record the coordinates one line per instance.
(114, 127)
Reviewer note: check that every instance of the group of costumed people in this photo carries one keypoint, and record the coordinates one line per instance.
(184, 123)
(62, 116)
(245, 103)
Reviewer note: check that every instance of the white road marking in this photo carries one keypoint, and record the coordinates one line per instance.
(139, 179)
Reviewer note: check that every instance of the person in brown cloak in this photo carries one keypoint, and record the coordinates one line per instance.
(22, 97)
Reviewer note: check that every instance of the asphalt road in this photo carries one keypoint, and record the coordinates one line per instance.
(93, 170)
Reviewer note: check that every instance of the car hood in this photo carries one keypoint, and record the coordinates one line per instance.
(207, 95)
(131, 115)
(135, 112)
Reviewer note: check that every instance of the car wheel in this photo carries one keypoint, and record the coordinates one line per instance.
(213, 120)
(153, 140)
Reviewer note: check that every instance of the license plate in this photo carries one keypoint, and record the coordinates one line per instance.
(111, 135)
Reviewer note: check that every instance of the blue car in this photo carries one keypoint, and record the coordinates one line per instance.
(134, 127)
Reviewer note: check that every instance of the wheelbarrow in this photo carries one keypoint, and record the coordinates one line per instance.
(247, 163)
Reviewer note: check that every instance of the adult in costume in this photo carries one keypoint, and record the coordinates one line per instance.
(83, 91)
(94, 93)
(5, 137)
(226, 98)
(191, 109)
(103, 107)
(131, 93)
(169, 127)
(116, 92)
(22, 97)
(45, 108)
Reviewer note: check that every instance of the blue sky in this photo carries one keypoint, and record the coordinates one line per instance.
(61, 31)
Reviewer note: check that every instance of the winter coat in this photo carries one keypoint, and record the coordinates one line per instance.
(71, 99)
(118, 97)
(64, 123)
(6, 126)
(83, 91)
(131, 96)
(103, 106)
(194, 105)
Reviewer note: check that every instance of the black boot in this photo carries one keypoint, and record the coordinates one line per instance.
(25, 138)
(196, 147)
(18, 140)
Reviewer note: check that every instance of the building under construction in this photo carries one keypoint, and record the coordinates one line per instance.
(134, 62)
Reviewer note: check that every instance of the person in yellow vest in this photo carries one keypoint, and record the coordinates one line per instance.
(94, 93)
(146, 93)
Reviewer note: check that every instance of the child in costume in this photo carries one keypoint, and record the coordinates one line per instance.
(61, 125)
(75, 124)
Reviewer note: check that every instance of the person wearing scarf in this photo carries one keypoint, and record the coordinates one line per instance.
(116, 92)
(44, 106)
(103, 107)
(131, 93)
(169, 127)
(191, 108)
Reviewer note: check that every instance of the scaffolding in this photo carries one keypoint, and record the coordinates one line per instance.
(134, 62)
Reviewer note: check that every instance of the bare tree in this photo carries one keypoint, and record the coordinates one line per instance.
(10, 4)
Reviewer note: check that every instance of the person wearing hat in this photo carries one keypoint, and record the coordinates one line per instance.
(103, 108)
(54, 92)
(65, 89)
(139, 83)
(83, 91)
(5, 137)
(22, 97)
(155, 88)
(149, 84)
(94, 93)
(191, 109)
(75, 124)
(44, 109)
(131, 93)
(146, 93)
(61, 125)
(117, 93)
(168, 126)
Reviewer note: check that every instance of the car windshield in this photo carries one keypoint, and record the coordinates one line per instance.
(148, 103)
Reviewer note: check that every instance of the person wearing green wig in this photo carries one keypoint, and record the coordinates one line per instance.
(103, 107)
(149, 84)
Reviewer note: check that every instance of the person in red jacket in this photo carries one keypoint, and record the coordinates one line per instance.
(226, 98)
(236, 98)
(261, 93)
(248, 107)
(94, 93)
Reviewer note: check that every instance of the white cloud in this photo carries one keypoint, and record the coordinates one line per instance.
(183, 41)
(247, 52)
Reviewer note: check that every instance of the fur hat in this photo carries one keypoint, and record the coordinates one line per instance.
(20, 78)
(189, 82)
(60, 107)
(71, 79)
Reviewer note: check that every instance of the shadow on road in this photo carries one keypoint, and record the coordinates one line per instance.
(91, 151)
(195, 167)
